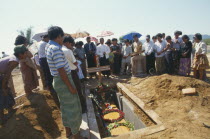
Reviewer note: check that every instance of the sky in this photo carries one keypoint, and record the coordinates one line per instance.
(95, 16)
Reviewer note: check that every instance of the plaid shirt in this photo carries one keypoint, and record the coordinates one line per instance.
(56, 58)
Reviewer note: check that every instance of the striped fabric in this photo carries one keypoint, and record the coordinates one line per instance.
(69, 104)
(56, 58)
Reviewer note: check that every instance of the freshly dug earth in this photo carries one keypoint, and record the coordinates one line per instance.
(38, 118)
(182, 115)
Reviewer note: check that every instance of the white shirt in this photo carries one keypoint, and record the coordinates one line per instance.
(79, 73)
(159, 47)
(69, 57)
(200, 48)
(101, 49)
(149, 47)
(178, 44)
(4, 55)
(36, 59)
(41, 49)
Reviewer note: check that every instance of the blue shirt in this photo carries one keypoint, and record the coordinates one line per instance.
(56, 58)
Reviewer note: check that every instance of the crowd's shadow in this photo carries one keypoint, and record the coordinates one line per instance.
(20, 127)
(44, 113)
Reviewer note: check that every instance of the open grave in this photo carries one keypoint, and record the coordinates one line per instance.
(133, 121)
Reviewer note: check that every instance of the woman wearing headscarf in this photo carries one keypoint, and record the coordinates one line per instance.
(27, 68)
(8, 64)
(185, 61)
(201, 62)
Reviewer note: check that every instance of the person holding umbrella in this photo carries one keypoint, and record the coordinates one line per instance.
(138, 60)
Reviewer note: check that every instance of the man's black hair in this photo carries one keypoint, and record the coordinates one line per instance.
(154, 37)
(54, 32)
(126, 40)
(198, 36)
(114, 39)
(20, 40)
(88, 38)
(163, 34)
(185, 37)
(3, 52)
(80, 43)
(68, 39)
(45, 36)
(159, 35)
(168, 38)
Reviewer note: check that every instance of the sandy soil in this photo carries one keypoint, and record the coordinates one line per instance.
(183, 115)
(37, 118)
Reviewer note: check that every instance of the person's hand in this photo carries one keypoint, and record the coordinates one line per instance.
(176, 41)
(90, 52)
(73, 90)
(159, 53)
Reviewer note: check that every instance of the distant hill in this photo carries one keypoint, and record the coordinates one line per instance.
(203, 36)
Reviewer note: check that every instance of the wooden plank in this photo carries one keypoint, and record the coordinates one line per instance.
(153, 115)
(92, 123)
(136, 134)
(189, 91)
(98, 69)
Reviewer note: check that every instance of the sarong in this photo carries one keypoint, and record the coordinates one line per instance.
(160, 65)
(185, 66)
(201, 63)
(8, 100)
(69, 105)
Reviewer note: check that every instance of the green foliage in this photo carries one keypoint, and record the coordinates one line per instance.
(207, 41)
(27, 33)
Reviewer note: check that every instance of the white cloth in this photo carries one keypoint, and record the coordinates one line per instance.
(69, 57)
(36, 59)
(101, 49)
(200, 48)
(79, 73)
(149, 47)
(159, 47)
(4, 55)
(126, 51)
(41, 49)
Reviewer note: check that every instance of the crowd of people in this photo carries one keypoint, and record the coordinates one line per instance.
(63, 64)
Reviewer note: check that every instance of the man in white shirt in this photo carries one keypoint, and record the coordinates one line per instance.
(150, 55)
(126, 58)
(102, 51)
(160, 54)
(43, 62)
(68, 43)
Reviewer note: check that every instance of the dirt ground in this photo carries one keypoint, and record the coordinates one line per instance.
(183, 115)
(38, 118)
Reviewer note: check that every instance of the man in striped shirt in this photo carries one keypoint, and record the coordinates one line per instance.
(63, 83)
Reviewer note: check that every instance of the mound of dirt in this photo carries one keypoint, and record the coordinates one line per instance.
(38, 118)
(183, 115)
